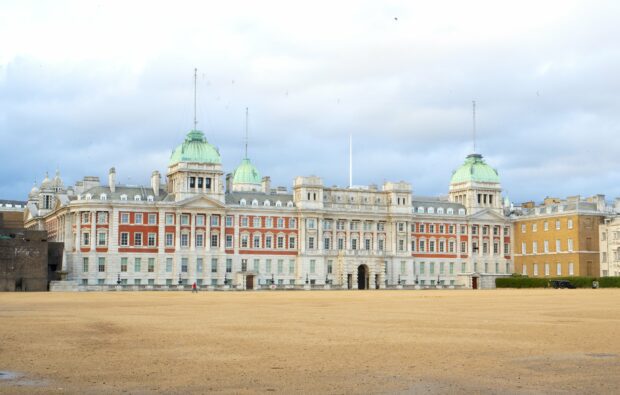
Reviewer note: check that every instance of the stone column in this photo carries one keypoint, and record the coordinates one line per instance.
(177, 233)
(93, 230)
(192, 234)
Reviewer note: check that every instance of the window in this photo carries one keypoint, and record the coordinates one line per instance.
(200, 220)
(184, 262)
(124, 264)
(85, 218)
(451, 246)
(463, 267)
(495, 248)
(441, 229)
(311, 223)
(152, 219)
(123, 197)
(506, 249)
(280, 223)
(101, 239)
(268, 265)
(431, 246)
(570, 224)
(256, 222)
(85, 238)
(422, 228)
(229, 220)
(523, 248)
(137, 265)
(292, 223)
(326, 242)
(169, 219)
(229, 241)
(340, 243)
(506, 231)
(558, 269)
(102, 217)
(244, 265)
(169, 239)
(151, 265)
(244, 241)
(124, 218)
(291, 242)
(422, 246)
(244, 222)
(214, 240)
(184, 219)
(570, 245)
(571, 269)
(463, 247)
(256, 241)
(151, 241)
(474, 230)
(184, 240)
(168, 265)
(431, 228)
(312, 266)
(536, 269)
(280, 266)
(138, 218)
(522, 228)
(256, 265)
(401, 227)
(228, 265)
(546, 269)
(546, 246)
(422, 267)
(557, 224)
(380, 244)
(215, 220)
(310, 243)
(367, 245)
(280, 242)
(137, 239)
(213, 265)
(101, 264)
(441, 268)
(200, 239)
(330, 266)
(85, 264)
(268, 241)
(381, 226)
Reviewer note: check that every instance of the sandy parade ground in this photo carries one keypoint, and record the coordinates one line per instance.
(501, 341)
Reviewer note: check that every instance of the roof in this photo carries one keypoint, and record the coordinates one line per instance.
(195, 149)
(235, 198)
(475, 169)
(129, 191)
(246, 173)
(421, 204)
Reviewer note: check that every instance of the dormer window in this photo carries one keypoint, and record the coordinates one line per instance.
(431, 210)
(103, 196)
(123, 197)
(267, 203)
(420, 210)
(89, 196)
(137, 198)
(149, 198)
(254, 202)
(278, 203)
(461, 211)
(289, 204)
(450, 211)
(242, 202)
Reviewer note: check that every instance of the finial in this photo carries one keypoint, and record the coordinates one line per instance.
(195, 77)
(474, 123)
(246, 132)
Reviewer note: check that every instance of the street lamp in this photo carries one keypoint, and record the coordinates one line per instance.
(399, 279)
(225, 280)
(180, 281)
(416, 279)
(326, 279)
(307, 279)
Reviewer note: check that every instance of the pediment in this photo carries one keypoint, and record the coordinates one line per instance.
(201, 202)
(487, 215)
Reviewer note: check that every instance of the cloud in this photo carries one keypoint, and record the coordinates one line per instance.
(110, 84)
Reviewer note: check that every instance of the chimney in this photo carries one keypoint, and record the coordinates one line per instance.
(112, 180)
(155, 181)
(229, 178)
(266, 184)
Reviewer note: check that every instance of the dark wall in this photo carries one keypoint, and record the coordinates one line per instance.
(23, 260)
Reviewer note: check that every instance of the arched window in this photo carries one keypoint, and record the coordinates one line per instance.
(89, 196)
(150, 198)
(137, 198)
(278, 203)
(430, 210)
(242, 202)
(103, 196)
(440, 210)
(289, 204)
(267, 203)
(123, 197)
(254, 202)
(450, 211)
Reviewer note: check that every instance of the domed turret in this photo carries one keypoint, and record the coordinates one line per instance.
(46, 183)
(246, 177)
(195, 149)
(475, 170)
(34, 193)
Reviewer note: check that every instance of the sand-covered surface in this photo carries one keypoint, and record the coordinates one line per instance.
(504, 341)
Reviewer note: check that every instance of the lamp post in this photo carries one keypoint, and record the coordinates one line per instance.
(307, 281)
(326, 279)
(273, 279)
(399, 279)
(438, 280)
(416, 280)
(225, 280)
(180, 281)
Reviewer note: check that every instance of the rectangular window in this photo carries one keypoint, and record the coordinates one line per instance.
(571, 269)
(138, 218)
(422, 267)
(292, 223)
(200, 240)
(310, 243)
(244, 265)
(152, 219)
(168, 265)
(184, 240)
(169, 219)
(256, 265)
(124, 261)
(401, 226)
(85, 238)
(442, 246)
(229, 221)
(312, 266)
(280, 266)
(137, 239)
(534, 247)
(124, 218)
(326, 242)
(413, 244)
(101, 265)
(215, 220)
(184, 219)
(534, 227)
(85, 264)
(354, 244)
(228, 265)
(213, 265)
(280, 241)
(570, 224)
(431, 267)
(463, 247)
(268, 265)
(244, 241)
(291, 242)
(85, 218)
(463, 267)
(506, 249)
(403, 267)
(431, 246)
(102, 239)
(570, 245)
(199, 262)
(559, 269)
(422, 246)
(441, 267)
(367, 245)
(184, 262)
(557, 224)
(523, 248)
(341, 244)
(137, 265)
(546, 246)
(536, 269)
(546, 269)
(214, 240)
(268, 222)
(381, 226)
(151, 265)
(229, 241)
(330, 267)
(169, 239)
(244, 222)
(152, 239)
(200, 220)
(280, 223)
(380, 244)
(545, 226)
(256, 241)
(451, 267)
(102, 217)
(256, 222)
(431, 228)
(522, 228)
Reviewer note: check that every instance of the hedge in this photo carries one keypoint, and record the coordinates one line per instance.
(535, 282)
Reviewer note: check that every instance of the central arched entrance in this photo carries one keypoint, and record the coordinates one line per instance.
(362, 277)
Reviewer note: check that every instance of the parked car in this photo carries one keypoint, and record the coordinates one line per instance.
(557, 284)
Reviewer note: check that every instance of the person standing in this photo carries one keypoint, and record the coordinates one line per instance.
(194, 288)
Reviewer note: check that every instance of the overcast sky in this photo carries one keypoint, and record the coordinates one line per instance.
(85, 86)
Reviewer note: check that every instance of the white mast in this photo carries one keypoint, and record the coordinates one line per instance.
(474, 122)
(195, 77)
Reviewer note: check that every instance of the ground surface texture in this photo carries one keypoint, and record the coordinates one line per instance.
(341, 342)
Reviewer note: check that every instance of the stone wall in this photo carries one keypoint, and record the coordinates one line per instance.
(23, 260)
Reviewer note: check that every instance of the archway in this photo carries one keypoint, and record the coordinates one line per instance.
(362, 277)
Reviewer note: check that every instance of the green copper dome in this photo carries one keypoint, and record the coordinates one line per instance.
(195, 149)
(474, 170)
(246, 173)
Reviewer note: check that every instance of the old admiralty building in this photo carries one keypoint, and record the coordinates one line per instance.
(236, 231)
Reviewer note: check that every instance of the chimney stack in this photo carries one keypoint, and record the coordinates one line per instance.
(266, 184)
(112, 180)
(155, 182)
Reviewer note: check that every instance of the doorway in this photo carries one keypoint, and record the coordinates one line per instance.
(377, 284)
(474, 282)
(362, 277)
(249, 282)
